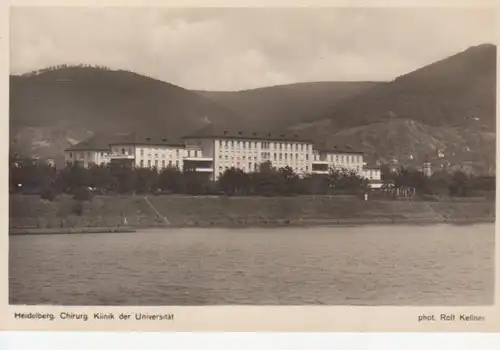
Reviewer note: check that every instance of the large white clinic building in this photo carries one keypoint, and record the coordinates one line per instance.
(213, 151)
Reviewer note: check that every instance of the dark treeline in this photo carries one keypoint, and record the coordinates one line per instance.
(48, 181)
(440, 183)
(64, 66)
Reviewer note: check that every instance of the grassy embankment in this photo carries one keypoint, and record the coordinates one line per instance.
(30, 212)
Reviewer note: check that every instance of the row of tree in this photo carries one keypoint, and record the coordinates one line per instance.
(457, 183)
(34, 178)
(49, 181)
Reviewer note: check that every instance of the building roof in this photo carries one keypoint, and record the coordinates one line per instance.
(212, 131)
(103, 142)
(146, 139)
(94, 143)
(335, 149)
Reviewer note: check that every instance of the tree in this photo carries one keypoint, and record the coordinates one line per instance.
(234, 181)
(346, 181)
(146, 179)
(459, 184)
(171, 179)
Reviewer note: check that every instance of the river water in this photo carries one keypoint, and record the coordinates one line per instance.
(367, 265)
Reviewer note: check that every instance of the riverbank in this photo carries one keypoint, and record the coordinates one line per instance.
(32, 214)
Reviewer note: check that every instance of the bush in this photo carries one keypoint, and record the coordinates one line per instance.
(48, 194)
(82, 194)
(78, 208)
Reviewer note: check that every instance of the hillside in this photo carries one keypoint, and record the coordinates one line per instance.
(275, 107)
(457, 91)
(448, 105)
(58, 107)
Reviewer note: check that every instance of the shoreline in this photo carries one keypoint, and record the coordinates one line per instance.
(30, 231)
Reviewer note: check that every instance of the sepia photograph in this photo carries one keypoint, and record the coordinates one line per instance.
(202, 156)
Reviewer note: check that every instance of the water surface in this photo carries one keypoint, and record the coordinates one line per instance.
(368, 265)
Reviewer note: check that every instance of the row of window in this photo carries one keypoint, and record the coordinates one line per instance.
(348, 159)
(141, 152)
(251, 166)
(156, 163)
(265, 156)
(265, 145)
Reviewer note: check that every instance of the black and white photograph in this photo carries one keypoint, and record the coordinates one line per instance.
(207, 156)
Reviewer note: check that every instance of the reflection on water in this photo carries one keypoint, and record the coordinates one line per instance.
(384, 265)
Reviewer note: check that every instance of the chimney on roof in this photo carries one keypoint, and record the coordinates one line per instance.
(240, 133)
(148, 138)
(254, 133)
(225, 132)
(164, 139)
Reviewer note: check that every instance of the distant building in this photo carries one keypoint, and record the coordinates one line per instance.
(222, 149)
(213, 151)
(337, 157)
(374, 176)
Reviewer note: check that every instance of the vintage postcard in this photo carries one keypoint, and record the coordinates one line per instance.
(202, 166)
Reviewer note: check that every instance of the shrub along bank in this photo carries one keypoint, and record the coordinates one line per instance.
(206, 211)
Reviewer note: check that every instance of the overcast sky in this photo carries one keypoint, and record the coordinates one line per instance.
(233, 49)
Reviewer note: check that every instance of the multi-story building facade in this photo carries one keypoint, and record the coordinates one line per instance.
(213, 151)
(339, 158)
(247, 150)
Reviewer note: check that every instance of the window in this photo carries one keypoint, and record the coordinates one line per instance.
(243, 157)
(130, 151)
(280, 145)
(244, 144)
(307, 156)
(342, 159)
(296, 147)
(281, 156)
(177, 163)
(156, 155)
(149, 163)
(274, 156)
(123, 150)
(250, 166)
(189, 153)
(177, 152)
(226, 144)
(156, 163)
(70, 154)
(142, 152)
(226, 157)
(255, 166)
(296, 156)
(249, 144)
(301, 148)
(169, 163)
(286, 156)
(220, 143)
